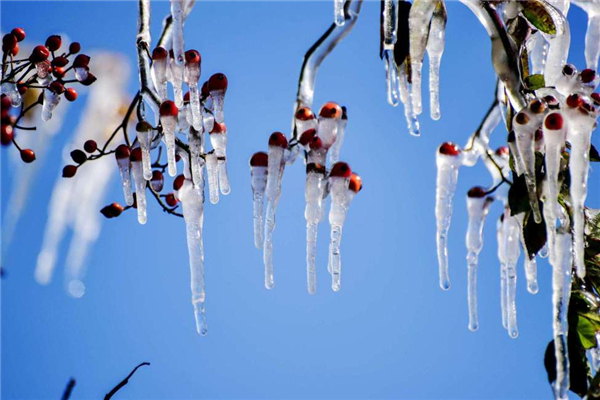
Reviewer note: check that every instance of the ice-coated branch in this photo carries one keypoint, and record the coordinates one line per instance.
(143, 55)
(124, 382)
(317, 53)
(167, 31)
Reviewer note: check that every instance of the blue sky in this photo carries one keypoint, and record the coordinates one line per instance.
(390, 332)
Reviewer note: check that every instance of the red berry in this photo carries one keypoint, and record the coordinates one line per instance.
(112, 210)
(307, 137)
(71, 94)
(315, 168)
(122, 152)
(551, 101)
(168, 109)
(171, 200)
(81, 61)
(204, 91)
(539, 135)
(91, 78)
(78, 156)
(157, 181)
(22, 88)
(477, 192)
(143, 126)
(27, 155)
(316, 143)
(219, 128)
(7, 134)
(596, 98)
(340, 169)
(5, 101)
(278, 139)
(136, 155)
(553, 121)
(58, 72)
(69, 171)
(9, 41)
(74, 48)
(56, 87)
(568, 70)
(331, 110)
(90, 146)
(522, 118)
(192, 57)
(304, 114)
(39, 54)
(19, 34)
(60, 61)
(502, 151)
(15, 50)
(449, 149)
(537, 107)
(178, 182)
(159, 53)
(186, 98)
(260, 159)
(587, 75)
(53, 42)
(217, 82)
(355, 183)
(574, 101)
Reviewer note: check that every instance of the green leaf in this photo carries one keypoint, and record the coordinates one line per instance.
(518, 199)
(534, 235)
(535, 82)
(586, 329)
(537, 14)
(594, 155)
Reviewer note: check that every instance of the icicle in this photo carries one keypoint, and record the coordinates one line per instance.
(315, 185)
(530, 263)
(258, 174)
(144, 135)
(525, 124)
(477, 207)
(122, 155)
(217, 86)
(168, 119)
(177, 14)
(561, 292)
(334, 151)
(338, 10)
(160, 57)
(538, 51)
(191, 76)
(554, 137)
(51, 100)
(514, 151)
(197, 163)
(329, 117)
(511, 246)
(140, 184)
(10, 89)
(558, 47)
(391, 72)
(218, 139)
(435, 49)
(406, 98)
(277, 146)
(592, 35)
(448, 159)
(213, 180)
(503, 273)
(175, 76)
(44, 71)
(390, 27)
(581, 125)
(419, 20)
(193, 212)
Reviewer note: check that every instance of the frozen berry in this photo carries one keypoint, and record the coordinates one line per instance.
(81, 61)
(178, 182)
(74, 48)
(596, 98)
(574, 101)
(553, 121)
(112, 210)
(355, 183)
(204, 91)
(304, 114)
(539, 135)
(316, 143)
(90, 146)
(7, 134)
(278, 139)
(8, 42)
(477, 192)
(122, 152)
(449, 149)
(186, 98)
(587, 75)
(157, 181)
(551, 101)
(136, 155)
(27, 155)
(260, 159)
(22, 88)
(315, 168)
(217, 82)
(19, 34)
(60, 61)
(219, 128)
(143, 126)
(56, 87)
(58, 72)
(340, 169)
(71, 94)
(331, 110)
(69, 171)
(307, 137)
(537, 107)
(569, 70)
(502, 151)
(39, 54)
(53, 42)
(522, 118)
(192, 57)
(168, 109)
(159, 53)
(78, 156)
(171, 200)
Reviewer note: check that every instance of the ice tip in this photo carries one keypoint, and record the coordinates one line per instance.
(259, 159)
(340, 170)
(278, 139)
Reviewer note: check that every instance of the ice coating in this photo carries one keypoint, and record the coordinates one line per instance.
(177, 14)
(140, 190)
(592, 35)
(512, 251)
(258, 176)
(435, 49)
(525, 126)
(169, 123)
(447, 177)
(10, 89)
(390, 25)
(315, 185)
(391, 73)
(334, 151)
(193, 213)
(213, 180)
(124, 166)
(159, 75)
(477, 208)
(197, 162)
(419, 20)
(407, 99)
(50, 102)
(503, 270)
(219, 143)
(175, 76)
(558, 47)
(144, 135)
(192, 75)
(273, 192)
(561, 292)
(337, 215)
(529, 259)
(338, 12)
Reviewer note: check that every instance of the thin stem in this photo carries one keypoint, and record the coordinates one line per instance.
(68, 389)
(123, 382)
(165, 208)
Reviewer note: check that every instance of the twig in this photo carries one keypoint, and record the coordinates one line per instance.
(68, 389)
(123, 382)
(162, 204)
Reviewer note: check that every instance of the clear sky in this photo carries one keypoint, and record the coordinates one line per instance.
(390, 332)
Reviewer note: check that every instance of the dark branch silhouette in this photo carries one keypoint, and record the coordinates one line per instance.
(68, 389)
(123, 382)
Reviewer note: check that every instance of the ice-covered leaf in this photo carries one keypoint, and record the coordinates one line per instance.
(534, 235)
(401, 48)
(535, 82)
(594, 155)
(586, 329)
(537, 14)
(517, 196)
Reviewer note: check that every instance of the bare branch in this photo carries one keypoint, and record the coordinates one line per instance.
(123, 382)
(68, 389)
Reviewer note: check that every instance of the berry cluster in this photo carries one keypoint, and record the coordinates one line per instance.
(46, 69)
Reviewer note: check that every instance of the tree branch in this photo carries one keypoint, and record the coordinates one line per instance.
(68, 389)
(123, 382)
